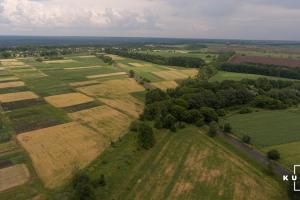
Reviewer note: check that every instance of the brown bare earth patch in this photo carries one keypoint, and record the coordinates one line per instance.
(164, 85)
(18, 96)
(69, 99)
(12, 84)
(108, 122)
(58, 150)
(237, 59)
(125, 103)
(107, 75)
(13, 176)
(112, 88)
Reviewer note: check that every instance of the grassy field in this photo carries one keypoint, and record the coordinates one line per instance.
(268, 128)
(221, 76)
(183, 165)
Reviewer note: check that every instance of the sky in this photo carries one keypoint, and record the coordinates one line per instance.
(217, 19)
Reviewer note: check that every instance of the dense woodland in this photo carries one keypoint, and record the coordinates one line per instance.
(199, 102)
(181, 61)
(267, 70)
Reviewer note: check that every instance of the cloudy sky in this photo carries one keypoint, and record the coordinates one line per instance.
(228, 19)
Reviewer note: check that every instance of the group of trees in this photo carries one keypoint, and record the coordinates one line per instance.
(199, 102)
(181, 61)
(267, 70)
(106, 59)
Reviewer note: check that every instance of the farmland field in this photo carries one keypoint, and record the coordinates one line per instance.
(268, 128)
(185, 165)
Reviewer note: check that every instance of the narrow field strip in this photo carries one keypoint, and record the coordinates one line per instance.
(59, 61)
(106, 75)
(164, 85)
(76, 68)
(12, 84)
(67, 100)
(18, 96)
(84, 83)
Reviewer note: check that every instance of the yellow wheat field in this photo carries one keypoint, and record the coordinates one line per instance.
(59, 61)
(69, 99)
(57, 151)
(11, 62)
(107, 75)
(83, 83)
(125, 103)
(18, 96)
(175, 74)
(140, 64)
(164, 85)
(108, 122)
(12, 84)
(11, 78)
(89, 56)
(112, 87)
(13, 176)
(87, 67)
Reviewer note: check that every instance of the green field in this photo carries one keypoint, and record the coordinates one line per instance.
(222, 75)
(182, 165)
(268, 128)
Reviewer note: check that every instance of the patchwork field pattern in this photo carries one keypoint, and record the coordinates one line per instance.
(69, 99)
(108, 122)
(57, 151)
(13, 176)
(18, 96)
(107, 75)
(112, 88)
(59, 61)
(164, 85)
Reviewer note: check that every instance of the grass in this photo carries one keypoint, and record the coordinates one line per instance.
(140, 95)
(268, 128)
(222, 75)
(182, 165)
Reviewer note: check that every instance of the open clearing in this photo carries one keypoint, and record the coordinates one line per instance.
(185, 165)
(69, 99)
(13, 176)
(12, 84)
(57, 151)
(112, 87)
(108, 122)
(268, 127)
(164, 85)
(106, 75)
(18, 96)
(59, 61)
(125, 103)
(173, 74)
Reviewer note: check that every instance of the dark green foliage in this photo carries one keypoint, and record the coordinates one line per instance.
(209, 114)
(273, 154)
(131, 74)
(99, 181)
(106, 59)
(267, 70)
(6, 54)
(246, 139)
(200, 122)
(213, 129)
(245, 110)
(227, 128)
(221, 112)
(180, 125)
(155, 95)
(145, 136)
(158, 123)
(82, 187)
(134, 126)
(169, 121)
(207, 72)
(181, 61)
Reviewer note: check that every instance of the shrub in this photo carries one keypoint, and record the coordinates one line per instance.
(200, 122)
(245, 110)
(213, 129)
(209, 114)
(246, 139)
(82, 187)
(180, 125)
(221, 112)
(134, 126)
(227, 128)
(273, 154)
(169, 121)
(145, 136)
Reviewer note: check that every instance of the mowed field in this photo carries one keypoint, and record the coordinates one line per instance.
(272, 130)
(184, 165)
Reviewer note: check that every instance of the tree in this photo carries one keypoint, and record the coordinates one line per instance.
(82, 187)
(169, 121)
(131, 73)
(145, 136)
(155, 95)
(213, 129)
(6, 54)
(134, 126)
(227, 128)
(246, 139)
(209, 114)
(273, 154)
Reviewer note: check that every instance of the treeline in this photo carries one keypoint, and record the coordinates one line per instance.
(267, 70)
(199, 102)
(180, 61)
